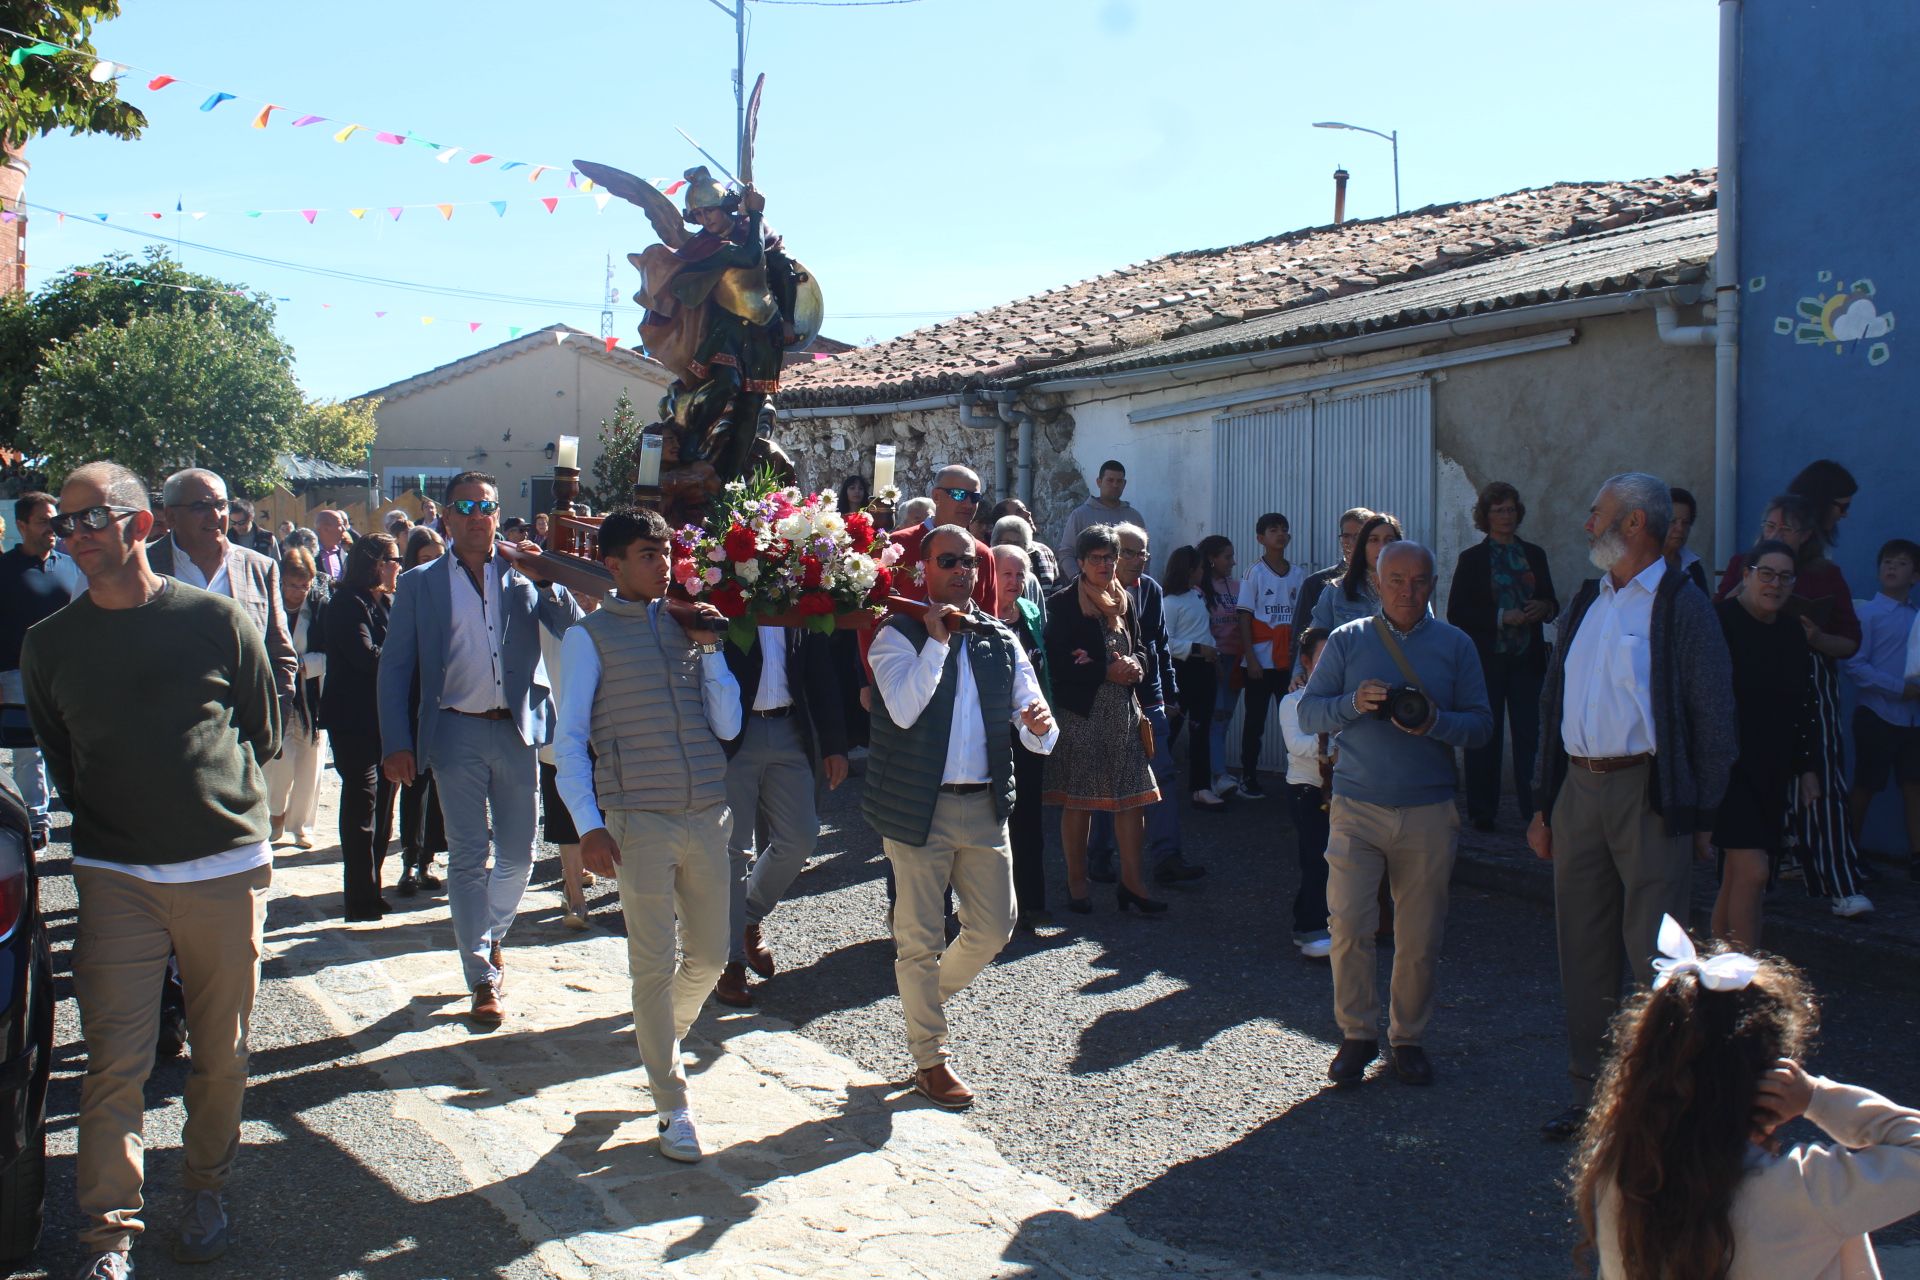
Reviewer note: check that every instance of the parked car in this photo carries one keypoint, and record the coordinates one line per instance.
(26, 1032)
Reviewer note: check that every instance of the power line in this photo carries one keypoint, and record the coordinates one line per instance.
(838, 4)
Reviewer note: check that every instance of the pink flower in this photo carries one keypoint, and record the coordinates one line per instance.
(712, 576)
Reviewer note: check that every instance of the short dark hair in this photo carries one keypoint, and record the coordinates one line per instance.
(945, 530)
(624, 528)
(1095, 537)
(1684, 498)
(1491, 496)
(240, 507)
(470, 477)
(1770, 547)
(1267, 522)
(24, 504)
(1900, 547)
(362, 571)
(1311, 639)
(1110, 464)
(512, 522)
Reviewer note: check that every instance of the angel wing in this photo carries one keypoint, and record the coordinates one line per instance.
(660, 209)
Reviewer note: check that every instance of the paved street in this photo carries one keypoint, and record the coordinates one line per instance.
(1152, 1098)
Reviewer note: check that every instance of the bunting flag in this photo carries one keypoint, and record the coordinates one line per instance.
(513, 331)
(600, 201)
(391, 139)
(39, 49)
(260, 121)
(346, 133)
(159, 82)
(215, 99)
(357, 213)
(611, 344)
(104, 71)
(396, 211)
(552, 202)
(447, 154)
(304, 121)
(473, 326)
(309, 215)
(446, 211)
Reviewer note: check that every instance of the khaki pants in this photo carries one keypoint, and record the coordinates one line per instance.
(966, 848)
(1413, 847)
(673, 866)
(1616, 871)
(127, 927)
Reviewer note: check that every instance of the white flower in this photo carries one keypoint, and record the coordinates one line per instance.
(747, 570)
(830, 522)
(889, 493)
(794, 528)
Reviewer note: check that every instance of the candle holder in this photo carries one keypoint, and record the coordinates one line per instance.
(566, 487)
(647, 492)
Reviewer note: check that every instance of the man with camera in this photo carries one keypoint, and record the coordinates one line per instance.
(1401, 689)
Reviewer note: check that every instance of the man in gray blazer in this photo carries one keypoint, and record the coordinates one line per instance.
(467, 625)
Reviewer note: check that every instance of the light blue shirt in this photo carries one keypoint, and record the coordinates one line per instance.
(580, 658)
(1879, 666)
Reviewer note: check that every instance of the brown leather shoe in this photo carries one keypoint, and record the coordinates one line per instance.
(499, 963)
(732, 988)
(759, 958)
(486, 1011)
(942, 1088)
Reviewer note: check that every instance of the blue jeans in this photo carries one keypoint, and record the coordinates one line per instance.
(1227, 695)
(29, 770)
(477, 763)
(1163, 817)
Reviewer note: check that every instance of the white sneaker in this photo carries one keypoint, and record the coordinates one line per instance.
(1225, 784)
(678, 1141)
(1318, 947)
(1851, 905)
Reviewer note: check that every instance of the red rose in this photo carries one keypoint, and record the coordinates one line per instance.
(860, 530)
(729, 599)
(882, 585)
(810, 571)
(813, 604)
(776, 551)
(739, 543)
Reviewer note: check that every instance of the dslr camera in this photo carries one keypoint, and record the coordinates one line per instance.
(1406, 706)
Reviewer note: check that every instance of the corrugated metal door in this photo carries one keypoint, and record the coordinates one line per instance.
(1312, 459)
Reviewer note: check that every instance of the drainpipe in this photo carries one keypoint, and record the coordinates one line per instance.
(1667, 319)
(987, 422)
(1726, 293)
(1022, 419)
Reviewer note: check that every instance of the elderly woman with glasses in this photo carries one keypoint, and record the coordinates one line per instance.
(293, 776)
(356, 628)
(1101, 764)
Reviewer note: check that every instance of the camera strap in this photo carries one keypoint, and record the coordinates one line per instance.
(1393, 651)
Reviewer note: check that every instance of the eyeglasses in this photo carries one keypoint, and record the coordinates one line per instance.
(962, 495)
(68, 523)
(475, 506)
(1098, 557)
(205, 506)
(1144, 557)
(391, 560)
(1784, 577)
(955, 560)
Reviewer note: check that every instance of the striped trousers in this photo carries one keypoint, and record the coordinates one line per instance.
(1821, 830)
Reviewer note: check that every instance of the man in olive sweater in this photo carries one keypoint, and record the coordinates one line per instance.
(155, 707)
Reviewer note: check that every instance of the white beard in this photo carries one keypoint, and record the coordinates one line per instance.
(1607, 549)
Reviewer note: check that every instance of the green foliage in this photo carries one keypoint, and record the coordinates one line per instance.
(337, 431)
(619, 459)
(113, 291)
(44, 94)
(162, 392)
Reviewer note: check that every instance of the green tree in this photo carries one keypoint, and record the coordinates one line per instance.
(162, 392)
(619, 459)
(111, 291)
(42, 94)
(337, 431)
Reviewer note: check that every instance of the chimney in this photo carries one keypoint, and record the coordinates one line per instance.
(1339, 196)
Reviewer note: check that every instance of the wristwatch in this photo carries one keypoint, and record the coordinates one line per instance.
(709, 648)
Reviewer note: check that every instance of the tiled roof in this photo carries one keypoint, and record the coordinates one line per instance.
(1670, 251)
(1184, 293)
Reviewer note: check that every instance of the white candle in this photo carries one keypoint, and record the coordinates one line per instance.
(567, 453)
(882, 467)
(651, 449)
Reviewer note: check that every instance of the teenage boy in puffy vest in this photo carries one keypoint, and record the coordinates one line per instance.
(655, 700)
(949, 691)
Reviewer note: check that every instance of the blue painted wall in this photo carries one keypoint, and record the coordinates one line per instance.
(1830, 193)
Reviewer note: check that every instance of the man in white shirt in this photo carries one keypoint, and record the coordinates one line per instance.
(950, 690)
(1631, 769)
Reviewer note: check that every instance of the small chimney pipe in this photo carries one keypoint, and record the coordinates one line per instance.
(1339, 196)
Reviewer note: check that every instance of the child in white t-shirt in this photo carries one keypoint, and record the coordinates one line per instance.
(1309, 765)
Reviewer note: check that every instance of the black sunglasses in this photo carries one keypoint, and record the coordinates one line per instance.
(955, 560)
(963, 495)
(94, 518)
(475, 506)
(391, 560)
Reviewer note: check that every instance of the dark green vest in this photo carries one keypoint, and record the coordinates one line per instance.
(904, 766)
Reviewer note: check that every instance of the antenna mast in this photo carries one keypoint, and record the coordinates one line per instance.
(611, 297)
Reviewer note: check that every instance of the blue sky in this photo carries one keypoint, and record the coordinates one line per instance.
(924, 159)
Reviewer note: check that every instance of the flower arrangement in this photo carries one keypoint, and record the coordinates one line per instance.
(773, 556)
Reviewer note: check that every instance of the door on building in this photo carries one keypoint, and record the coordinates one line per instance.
(1311, 458)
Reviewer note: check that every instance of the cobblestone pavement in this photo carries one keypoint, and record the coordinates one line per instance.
(1151, 1098)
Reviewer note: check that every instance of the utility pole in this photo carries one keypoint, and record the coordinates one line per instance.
(607, 301)
(740, 86)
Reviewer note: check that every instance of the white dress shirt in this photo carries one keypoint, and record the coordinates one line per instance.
(475, 681)
(573, 728)
(907, 681)
(1607, 709)
(773, 692)
(188, 572)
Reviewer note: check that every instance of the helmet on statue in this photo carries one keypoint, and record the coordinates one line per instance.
(704, 191)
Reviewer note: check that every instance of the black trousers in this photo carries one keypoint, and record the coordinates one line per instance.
(1268, 687)
(1026, 832)
(1513, 684)
(1307, 807)
(1199, 687)
(366, 821)
(422, 833)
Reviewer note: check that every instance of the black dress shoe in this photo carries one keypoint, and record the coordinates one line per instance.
(1411, 1065)
(1177, 870)
(409, 883)
(1081, 906)
(1349, 1066)
(428, 880)
(1126, 899)
(1567, 1124)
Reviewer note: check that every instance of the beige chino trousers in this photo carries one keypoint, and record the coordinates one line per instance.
(127, 928)
(1413, 847)
(673, 868)
(966, 848)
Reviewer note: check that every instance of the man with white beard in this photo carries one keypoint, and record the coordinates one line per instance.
(1637, 739)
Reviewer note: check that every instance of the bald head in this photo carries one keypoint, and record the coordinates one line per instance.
(1401, 550)
(1405, 574)
(948, 509)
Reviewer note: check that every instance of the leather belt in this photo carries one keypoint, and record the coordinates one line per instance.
(773, 713)
(964, 788)
(496, 713)
(1609, 764)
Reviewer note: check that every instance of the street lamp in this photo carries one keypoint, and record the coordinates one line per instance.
(1393, 137)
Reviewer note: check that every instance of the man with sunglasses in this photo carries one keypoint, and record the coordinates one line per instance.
(156, 708)
(242, 529)
(467, 626)
(956, 500)
(950, 690)
(36, 582)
